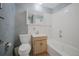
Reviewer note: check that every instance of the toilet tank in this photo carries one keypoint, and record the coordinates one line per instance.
(25, 38)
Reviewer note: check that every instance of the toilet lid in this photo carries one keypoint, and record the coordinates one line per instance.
(24, 49)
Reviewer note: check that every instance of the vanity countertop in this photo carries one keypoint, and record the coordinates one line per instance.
(38, 35)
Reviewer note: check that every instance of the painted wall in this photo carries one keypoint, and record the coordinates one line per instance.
(65, 30)
(7, 26)
(22, 28)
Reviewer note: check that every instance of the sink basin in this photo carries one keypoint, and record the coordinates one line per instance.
(38, 35)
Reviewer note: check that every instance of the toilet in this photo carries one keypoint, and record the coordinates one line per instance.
(25, 47)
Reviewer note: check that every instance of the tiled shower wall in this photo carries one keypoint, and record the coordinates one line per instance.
(66, 30)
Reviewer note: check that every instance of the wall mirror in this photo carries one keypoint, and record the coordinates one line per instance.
(35, 19)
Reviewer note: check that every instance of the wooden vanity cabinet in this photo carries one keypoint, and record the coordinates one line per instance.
(39, 46)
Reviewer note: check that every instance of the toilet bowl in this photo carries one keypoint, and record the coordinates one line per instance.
(25, 47)
(24, 50)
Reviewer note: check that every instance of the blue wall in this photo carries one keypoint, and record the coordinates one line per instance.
(7, 26)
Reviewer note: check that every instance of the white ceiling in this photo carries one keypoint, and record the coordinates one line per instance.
(46, 7)
(50, 5)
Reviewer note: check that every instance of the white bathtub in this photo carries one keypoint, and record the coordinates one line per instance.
(57, 48)
(52, 51)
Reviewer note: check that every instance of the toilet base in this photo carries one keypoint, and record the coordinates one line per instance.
(16, 52)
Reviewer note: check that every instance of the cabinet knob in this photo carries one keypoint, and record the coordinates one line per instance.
(41, 43)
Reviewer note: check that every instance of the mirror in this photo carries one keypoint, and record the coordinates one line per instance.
(38, 19)
(35, 19)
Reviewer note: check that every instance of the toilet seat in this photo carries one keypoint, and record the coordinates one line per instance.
(24, 49)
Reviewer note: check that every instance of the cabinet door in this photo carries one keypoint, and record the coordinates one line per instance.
(43, 45)
(39, 46)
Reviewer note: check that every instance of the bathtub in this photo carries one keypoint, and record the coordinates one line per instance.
(52, 51)
(61, 49)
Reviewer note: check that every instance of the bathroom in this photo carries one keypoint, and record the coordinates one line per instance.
(55, 24)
